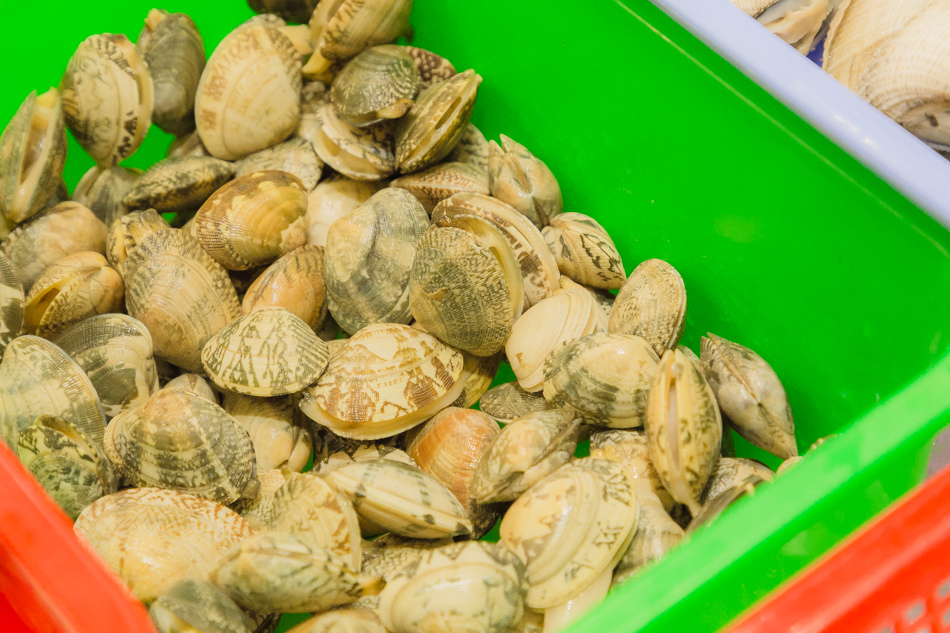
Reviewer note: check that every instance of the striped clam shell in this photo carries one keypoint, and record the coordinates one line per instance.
(11, 303)
(651, 304)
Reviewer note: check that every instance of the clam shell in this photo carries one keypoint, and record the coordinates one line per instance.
(655, 536)
(188, 145)
(605, 377)
(651, 304)
(249, 94)
(386, 555)
(361, 153)
(74, 288)
(295, 282)
(296, 157)
(181, 295)
(402, 499)
(386, 379)
(290, 10)
(508, 401)
(278, 441)
(478, 372)
(39, 378)
(172, 47)
(192, 383)
(127, 232)
(153, 538)
(584, 252)
(432, 68)
(629, 447)
(32, 156)
(331, 200)
(62, 230)
(253, 219)
(108, 96)
(11, 303)
(181, 441)
(353, 451)
(683, 428)
(731, 471)
(525, 451)
(750, 393)
(341, 621)
(368, 257)
(435, 124)
(379, 83)
(178, 185)
(115, 351)
(102, 190)
(571, 527)
(472, 148)
(199, 605)
(518, 177)
(797, 22)
(259, 511)
(433, 185)
(460, 587)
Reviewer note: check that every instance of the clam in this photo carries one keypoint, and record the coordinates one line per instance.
(295, 282)
(71, 468)
(39, 378)
(797, 22)
(508, 401)
(153, 538)
(102, 190)
(386, 555)
(361, 153)
(248, 97)
(570, 528)
(630, 448)
(449, 448)
(194, 384)
(253, 219)
(172, 47)
(115, 351)
(11, 303)
(379, 83)
(259, 511)
(750, 393)
(196, 605)
(466, 288)
(62, 230)
(268, 352)
(568, 315)
(714, 506)
(244, 279)
(321, 516)
(432, 68)
(331, 200)
(472, 148)
(108, 96)
(435, 124)
(188, 145)
(433, 185)
(181, 295)
(530, 622)
(368, 257)
(74, 288)
(278, 441)
(291, 10)
(478, 372)
(352, 451)
(525, 451)
(341, 621)
(604, 377)
(460, 587)
(180, 441)
(518, 177)
(651, 304)
(341, 29)
(731, 471)
(656, 535)
(295, 156)
(277, 572)
(788, 464)
(683, 428)
(584, 252)
(32, 156)
(178, 185)
(402, 499)
(386, 379)
(127, 232)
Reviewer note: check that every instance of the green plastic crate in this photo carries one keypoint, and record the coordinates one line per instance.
(785, 242)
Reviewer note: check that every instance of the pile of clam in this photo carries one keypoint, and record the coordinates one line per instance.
(326, 274)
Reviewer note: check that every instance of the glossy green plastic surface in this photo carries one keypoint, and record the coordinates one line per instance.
(786, 244)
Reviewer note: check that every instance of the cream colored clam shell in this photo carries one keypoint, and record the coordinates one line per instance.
(295, 156)
(472, 148)
(518, 177)
(358, 153)
(433, 185)
(508, 401)
(199, 605)
(296, 281)
(629, 447)
(731, 471)
(651, 304)
(178, 185)
(432, 68)
(11, 303)
(656, 535)
(584, 251)
(192, 383)
(379, 83)
(278, 441)
(259, 511)
(102, 189)
(127, 232)
(331, 200)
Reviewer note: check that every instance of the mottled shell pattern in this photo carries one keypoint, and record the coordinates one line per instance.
(115, 351)
(295, 282)
(153, 538)
(368, 258)
(32, 156)
(107, 97)
(508, 401)
(278, 441)
(127, 232)
(102, 190)
(332, 199)
(432, 68)
(472, 148)
(295, 156)
(651, 304)
(352, 451)
(341, 621)
(731, 471)
(11, 303)
(797, 22)
(683, 428)
(656, 534)
(379, 83)
(478, 372)
(518, 177)
(192, 383)
(386, 379)
(433, 185)
(181, 441)
(178, 185)
(197, 605)
(629, 447)
(472, 586)
(750, 393)
(584, 251)
(259, 511)
(359, 153)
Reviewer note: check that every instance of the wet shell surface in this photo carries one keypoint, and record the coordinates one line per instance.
(32, 156)
(177, 185)
(731, 471)
(402, 499)
(432, 68)
(11, 303)
(102, 190)
(153, 538)
(200, 606)
(181, 295)
(369, 254)
(127, 232)
(259, 511)
(295, 157)
(651, 304)
(584, 251)
(386, 379)
(518, 177)
(331, 200)
(508, 401)
(379, 83)
(253, 219)
(115, 351)
(341, 621)
(629, 447)
(571, 527)
(364, 153)
(249, 94)
(472, 148)
(107, 97)
(268, 352)
(181, 441)
(433, 185)
(295, 282)
(278, 441)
